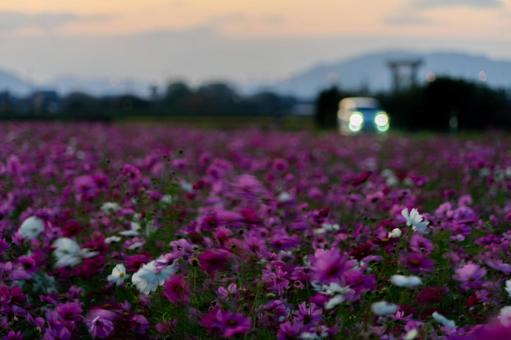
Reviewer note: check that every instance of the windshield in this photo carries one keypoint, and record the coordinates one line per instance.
(367, 110)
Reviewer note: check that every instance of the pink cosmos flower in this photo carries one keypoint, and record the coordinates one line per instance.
(100, 322)
(139, 324)
(275, 277)
(24, 269)
(288, 331)
(470, 275)
(418, 262)
(70, 311)
(308, 315)
(421, 244)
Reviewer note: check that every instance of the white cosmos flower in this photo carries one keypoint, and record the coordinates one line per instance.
(334, 302)
(68, 253)
(313, 336)
(110, 207)
(484, 172)
(336, 291)
(31, 228)
(326, 227)
(390, 177)
(118, 275)
(395, 233)
(331, 288)
(405, 281)
(383, 308)
(330, 227)
(415, 220)
(112, 239)
(443, 320)
(166, 199)
(186, 186)
(150, 228)
(284, 197)
(319, 231)
(505, 316)
(135, 245)
(508, 287)
(133, 231)
(152, 275)
(411, 334)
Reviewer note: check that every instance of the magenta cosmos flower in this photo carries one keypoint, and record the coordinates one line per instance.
(134, 262)
(225, 323)
(214, 260)
(176, 290)
(418, 262)
(329, 265)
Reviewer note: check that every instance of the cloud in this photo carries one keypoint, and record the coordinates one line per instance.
(407, 18)
(13, 21)
(413, 13)
(243, 19)
(466, 3)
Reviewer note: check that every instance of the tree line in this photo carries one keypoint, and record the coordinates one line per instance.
(178, 99)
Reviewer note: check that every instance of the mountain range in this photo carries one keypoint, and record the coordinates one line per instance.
(368, 71)
(11, 82)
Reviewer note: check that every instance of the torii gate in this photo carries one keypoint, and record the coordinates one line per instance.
(402, 80)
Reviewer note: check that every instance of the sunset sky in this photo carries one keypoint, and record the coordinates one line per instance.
(234, 39)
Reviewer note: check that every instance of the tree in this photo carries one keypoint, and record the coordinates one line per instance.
(327, 104)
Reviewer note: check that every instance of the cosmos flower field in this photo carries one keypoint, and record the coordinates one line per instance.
(146, 231)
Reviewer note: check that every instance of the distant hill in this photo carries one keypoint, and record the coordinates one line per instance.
(370, 71)
(12, 83)
(98, 86)
(365, 71)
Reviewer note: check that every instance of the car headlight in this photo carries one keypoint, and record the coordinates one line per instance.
(356, 121)
(381, 120)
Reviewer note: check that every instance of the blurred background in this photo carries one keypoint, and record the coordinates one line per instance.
(439, 65)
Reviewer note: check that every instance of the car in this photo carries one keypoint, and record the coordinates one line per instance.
(362, 114)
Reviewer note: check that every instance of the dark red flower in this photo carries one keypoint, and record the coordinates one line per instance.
(431, 295)
(212, 261)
